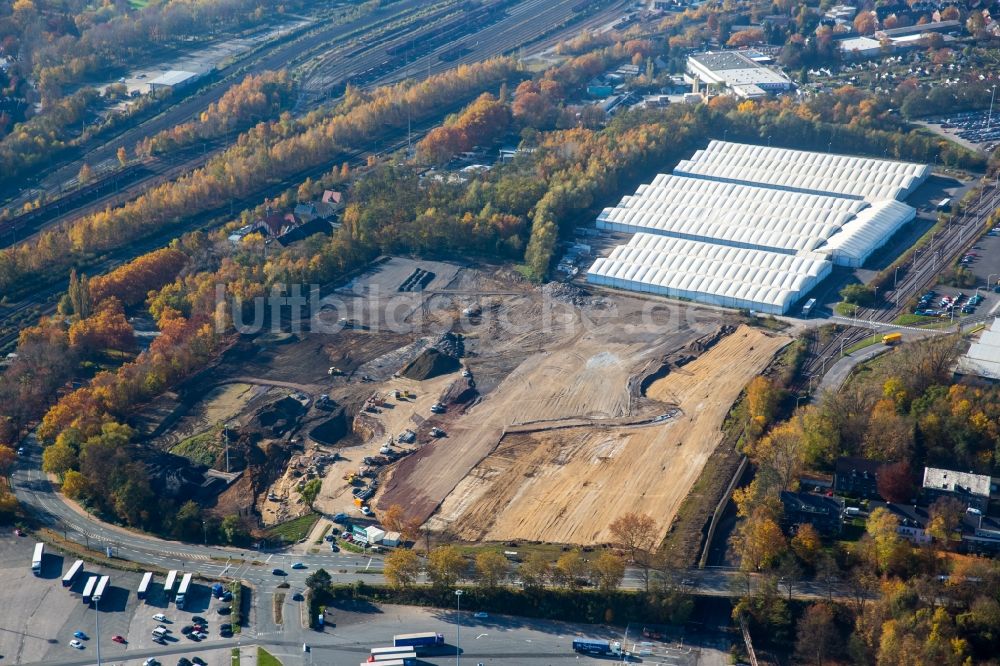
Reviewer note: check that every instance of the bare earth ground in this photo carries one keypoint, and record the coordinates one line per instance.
(567, 485)
(564, 362)
(221, 404)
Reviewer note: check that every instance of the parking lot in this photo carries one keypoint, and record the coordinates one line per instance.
(38, 616)
(971, 128)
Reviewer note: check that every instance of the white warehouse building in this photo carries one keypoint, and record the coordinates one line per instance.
(716, 232)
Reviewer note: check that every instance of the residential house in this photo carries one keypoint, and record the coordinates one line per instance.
(822, 512)
(972, 489)
(856, 477)
(912, 520)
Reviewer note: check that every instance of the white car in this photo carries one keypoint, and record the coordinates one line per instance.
(76, 644)
(150, 662)
(481, 615)
(160, 617)
(366, 511)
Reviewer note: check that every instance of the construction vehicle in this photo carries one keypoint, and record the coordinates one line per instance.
(334, 371)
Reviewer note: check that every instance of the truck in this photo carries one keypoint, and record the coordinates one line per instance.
(147, 580)
(892, 338)
(88, 589)
(382, 653)
(597, 646)
(101, 588)
(406, 658)
(426, 639)
(36, 559)
(72, 574)
(168, 586)
(183, 590)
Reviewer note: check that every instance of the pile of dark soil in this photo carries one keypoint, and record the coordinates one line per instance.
(431, 363)
(332, 430)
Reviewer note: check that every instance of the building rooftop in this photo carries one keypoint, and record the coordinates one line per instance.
(940, 26)
(957, 482)
(983, 357)
(172, 78)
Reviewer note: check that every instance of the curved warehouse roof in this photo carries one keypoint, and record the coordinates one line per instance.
(710, 273)
(861, 177)
(867, 232)
(730, 213)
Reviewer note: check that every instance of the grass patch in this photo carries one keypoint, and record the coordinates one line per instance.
(550, 551)
(279, 603)
(857, 346)
(350, 547)
(202, 448)
(844, 309)
(326, 528)
(234, 657)
(265, 658)
(912, 320)
(294, 530)
(368, 571)
(236, 618)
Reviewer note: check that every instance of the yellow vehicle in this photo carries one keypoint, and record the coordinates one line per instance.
(892, 338)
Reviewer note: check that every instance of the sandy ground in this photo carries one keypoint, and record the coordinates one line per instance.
(567, 485)
(219, 406)
(395, 417)
(556, 362)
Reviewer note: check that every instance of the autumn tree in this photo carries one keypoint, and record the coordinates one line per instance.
(779, 455)
(883, 529)
(895, 482)
(865, 23)
(534, 571)
(393, 518)
(445, 566)
(74, 485)
(946, 515)
(637, 534)
(889, 435)
(816, 634)
(761, 401)
(59, 458)
(570, 568)
(401, 568)
(7, 460)
(491, 569)
(607, 571)
(122, 155)
(758, 541)
(806, 544)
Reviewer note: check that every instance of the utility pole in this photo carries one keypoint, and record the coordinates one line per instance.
(458, 622)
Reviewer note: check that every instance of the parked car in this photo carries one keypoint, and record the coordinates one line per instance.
(366, 511)
(187, 629)
(150, 662)
(480, 615)
(198, 619)
(225, 610)
(278, 572)
(160, 617)
(76, 644)
(79, 634)
(183, 661)
(328, 537)
(299, 565)
(119, 639)
(199, 661)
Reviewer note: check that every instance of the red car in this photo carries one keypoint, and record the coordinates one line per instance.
(119, 639)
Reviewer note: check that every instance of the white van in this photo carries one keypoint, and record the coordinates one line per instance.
(160, 632)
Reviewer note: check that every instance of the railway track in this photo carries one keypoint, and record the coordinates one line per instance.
(917, 276)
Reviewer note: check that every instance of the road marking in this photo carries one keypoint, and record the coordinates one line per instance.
(370, 560)
(480, 636)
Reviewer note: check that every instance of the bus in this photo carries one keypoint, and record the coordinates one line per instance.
(426, 639)
(101, 589)
(88, 589)
(944, 205)
(73, 572)
(808, 307)
(892, 338)
(36, 559)
(183, 589)
(168, 587)
(409, 658)
(147, 579)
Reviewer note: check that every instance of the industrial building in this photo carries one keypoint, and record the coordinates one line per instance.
(173, 79)
(753, 227)
(983, 358)
(737, 72)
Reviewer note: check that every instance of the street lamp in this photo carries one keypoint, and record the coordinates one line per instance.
(989, 118)
(895, 277)
(458, 621)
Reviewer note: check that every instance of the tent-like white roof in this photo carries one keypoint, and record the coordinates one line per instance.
(734, 214)
(860, 177)
(867, 232)
(710, 273)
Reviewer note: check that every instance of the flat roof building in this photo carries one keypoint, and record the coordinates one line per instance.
(737, 72)
(973, 489)
(175, 78)
(983, 358)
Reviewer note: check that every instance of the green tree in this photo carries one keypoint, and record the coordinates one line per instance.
(187, 523)
(491, 569)
(858, 294)
(233, 531)
(401, 568)
(883, 528)
(310, 490)
(318, 580)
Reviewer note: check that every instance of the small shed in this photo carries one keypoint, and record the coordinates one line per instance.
(391, 539)
(375, 534)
